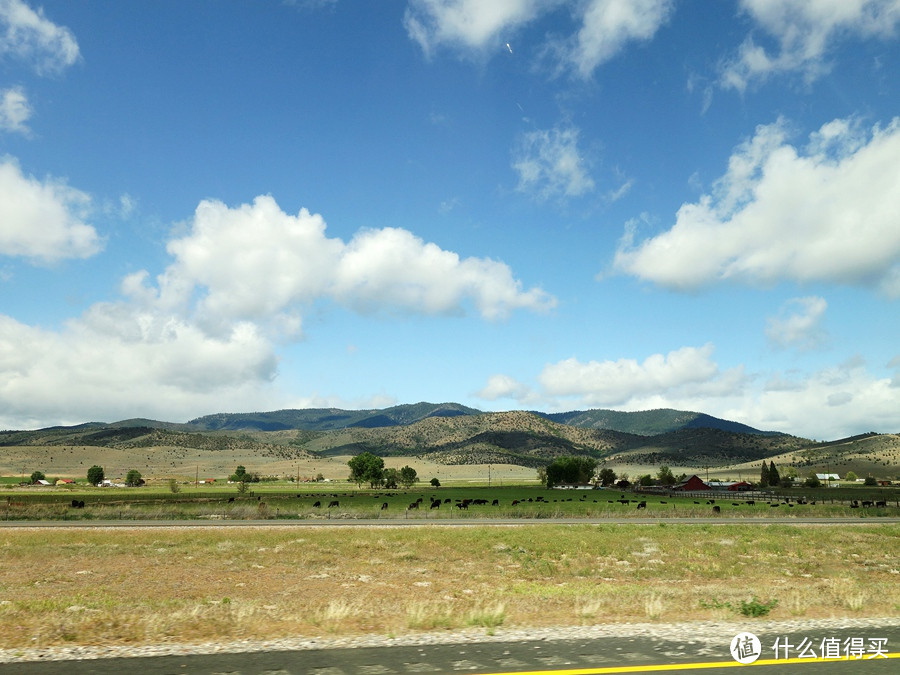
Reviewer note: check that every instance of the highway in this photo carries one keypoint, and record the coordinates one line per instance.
(597, 656)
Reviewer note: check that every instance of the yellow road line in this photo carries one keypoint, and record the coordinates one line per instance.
(656, 668)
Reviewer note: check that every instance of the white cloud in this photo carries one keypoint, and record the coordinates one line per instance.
(805, 31)
(610, 24)
(826, 212)
(28, 35)
(831, 403)
(14, 110)
(118, 359)
(468, 24)
(202, 337)
(504, 386)
(473, 27)
(43, 220)
(256, 262)
(798, 324)
(550, 164)
(626, 381)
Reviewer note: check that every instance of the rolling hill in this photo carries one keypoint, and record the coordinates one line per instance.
(449, 433)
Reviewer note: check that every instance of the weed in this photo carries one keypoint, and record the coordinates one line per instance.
(755, 608)
(487, 617)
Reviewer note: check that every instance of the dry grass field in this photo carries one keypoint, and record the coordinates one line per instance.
(134, 586)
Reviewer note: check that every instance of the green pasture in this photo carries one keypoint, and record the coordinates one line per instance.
(285, 501)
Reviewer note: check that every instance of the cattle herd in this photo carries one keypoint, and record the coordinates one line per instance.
(462, 504)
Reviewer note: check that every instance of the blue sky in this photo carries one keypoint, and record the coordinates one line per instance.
(521, 204)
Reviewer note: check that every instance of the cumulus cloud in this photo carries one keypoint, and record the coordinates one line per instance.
(30, 36)
(550, 164)
(203, 335)
(625, 381)
(827, 404)
(467, 24)
(805, 31)
(826, 212)
(14, 110)
(255, 262)
(503, 386)
(798, 324)
(603, 27)
(117, 359)
(830, 403)
(608, 25)
(43, 221)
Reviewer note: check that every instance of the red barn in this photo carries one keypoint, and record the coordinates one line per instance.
(692, 484)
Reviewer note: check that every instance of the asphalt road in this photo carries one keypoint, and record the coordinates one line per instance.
(545, 657)
(454, 522)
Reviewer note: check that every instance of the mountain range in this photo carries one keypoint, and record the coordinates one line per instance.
(450, 433)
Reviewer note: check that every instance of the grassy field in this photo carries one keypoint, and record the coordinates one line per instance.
(137, 586)
(311, 501)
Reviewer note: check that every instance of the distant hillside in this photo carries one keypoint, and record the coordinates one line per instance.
(327, 419)
(452, 434)
(649, 422)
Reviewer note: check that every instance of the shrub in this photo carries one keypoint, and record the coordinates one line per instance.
(756, 608)
(37, 475)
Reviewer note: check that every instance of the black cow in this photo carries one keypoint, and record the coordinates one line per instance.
(717, 509)
(317, 504)
(436, 504)
(881, 504)
(384, 506)
(642, 505)
(413, 505)
(333, 503)
(463, 505)
(496, 502)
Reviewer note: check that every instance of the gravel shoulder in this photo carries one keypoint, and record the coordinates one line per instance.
(708, 632)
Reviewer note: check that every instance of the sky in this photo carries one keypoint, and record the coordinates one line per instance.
(546, 205)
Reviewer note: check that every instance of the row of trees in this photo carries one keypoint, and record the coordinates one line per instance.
(369, 468)
(96, 475)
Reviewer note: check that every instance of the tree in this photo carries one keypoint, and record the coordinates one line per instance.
(665, 476)
(607, 477)
(95, 475)
(408, 476)
(812, 481)
(870, 480)
(435, 483)
(774, 476)
(851, 476)
(646, 480)
(367, 468)
(390, 478)
(570, 470)
(133, 478)
(37, 475)
(174, 487)
(764, 475)
(240, 475)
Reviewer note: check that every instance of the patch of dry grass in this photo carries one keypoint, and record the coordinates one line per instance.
(137, 586)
